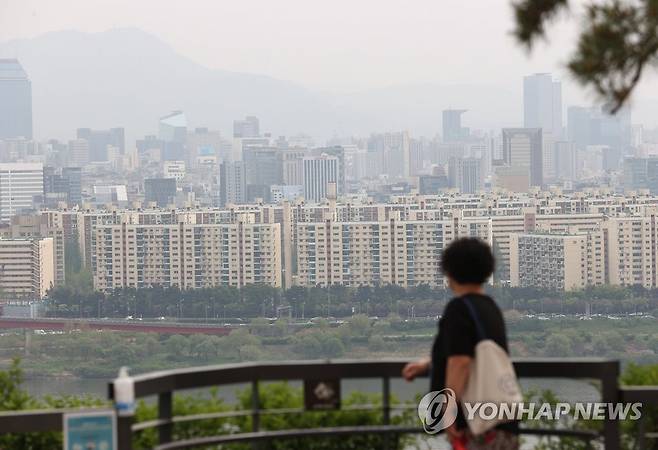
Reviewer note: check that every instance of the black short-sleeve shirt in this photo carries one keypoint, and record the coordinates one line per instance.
(457, 335)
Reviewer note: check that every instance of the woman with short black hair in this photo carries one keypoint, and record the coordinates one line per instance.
(467, 263)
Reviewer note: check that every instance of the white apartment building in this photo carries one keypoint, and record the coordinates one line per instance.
(631, 250)
(562, 262)
(26, 268)
(37, 227)
(20, 183)
(186, 255)
(401, 252)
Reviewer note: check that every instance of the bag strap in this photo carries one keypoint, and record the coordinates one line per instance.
(479, 328)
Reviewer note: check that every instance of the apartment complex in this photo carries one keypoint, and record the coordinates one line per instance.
(631, 250)
(27, 270)
(562, 262)
(619, 251)
(187, 255)
(398, 242)
(37, 227)
(405, 253)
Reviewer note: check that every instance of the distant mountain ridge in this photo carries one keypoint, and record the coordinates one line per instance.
(129, 78)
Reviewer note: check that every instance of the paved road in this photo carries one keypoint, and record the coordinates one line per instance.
(113, 325)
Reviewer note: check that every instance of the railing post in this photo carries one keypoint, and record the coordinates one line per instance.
(124, 432)
(165, 412)
(386, 409)
(255, 407)
(386, 400)
(641, 434)
(610, 394)
(255, 412)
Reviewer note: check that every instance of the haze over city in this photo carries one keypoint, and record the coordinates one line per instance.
(328, 225)
(356, 67)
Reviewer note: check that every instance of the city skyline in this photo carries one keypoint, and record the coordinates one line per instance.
(218, 100)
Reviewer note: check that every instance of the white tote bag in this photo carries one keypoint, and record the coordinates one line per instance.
(491, 380)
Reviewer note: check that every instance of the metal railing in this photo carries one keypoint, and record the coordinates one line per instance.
(164, 384)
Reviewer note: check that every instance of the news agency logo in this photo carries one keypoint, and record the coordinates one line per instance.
(437, 410)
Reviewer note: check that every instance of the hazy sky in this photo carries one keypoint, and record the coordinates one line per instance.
(337, 44)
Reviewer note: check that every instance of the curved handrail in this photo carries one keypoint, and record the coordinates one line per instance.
(217, 375)
(164, 383)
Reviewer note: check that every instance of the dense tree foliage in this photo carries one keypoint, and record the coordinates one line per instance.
(216, 304)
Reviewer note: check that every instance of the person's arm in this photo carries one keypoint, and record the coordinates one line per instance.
(416, 368)
(458, 369)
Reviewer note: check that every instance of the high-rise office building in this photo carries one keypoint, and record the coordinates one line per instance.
(73, 177)
(290, 161)
(262, 171)
(522, 147)
(452, 125)
(579, 125)
(320, 173)
(432, 184)
(79, 152)
(172, 132)
(54, 187)
(15, 101)
(20, 183)
(100, 142)
(393, 152)
(247, 128)
(232, 183)
(566, 161)
(593, 126)
(204, 147)
(339, 152)
(641, 173)
(150, 147)
(542, 103)
(173, 127)
(161, 191)
(465, 174)
(62, 186)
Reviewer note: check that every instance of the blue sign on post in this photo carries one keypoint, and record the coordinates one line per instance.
(94, 430)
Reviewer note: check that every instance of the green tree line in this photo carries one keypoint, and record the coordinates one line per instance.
(222, 302)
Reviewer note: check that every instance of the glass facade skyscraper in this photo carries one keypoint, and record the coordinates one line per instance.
(15, 101)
